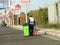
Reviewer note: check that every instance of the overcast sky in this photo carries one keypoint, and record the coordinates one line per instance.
(35, 4)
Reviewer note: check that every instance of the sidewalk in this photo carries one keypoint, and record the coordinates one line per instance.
(52, 32)
(19, 27)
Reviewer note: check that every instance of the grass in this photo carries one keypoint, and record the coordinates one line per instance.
(50, 26)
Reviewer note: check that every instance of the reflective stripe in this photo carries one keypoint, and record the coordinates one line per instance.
(31, 23)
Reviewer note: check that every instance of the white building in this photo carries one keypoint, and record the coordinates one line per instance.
(54, 13)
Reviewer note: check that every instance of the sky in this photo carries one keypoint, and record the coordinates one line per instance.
(35, 4)
(32, 5)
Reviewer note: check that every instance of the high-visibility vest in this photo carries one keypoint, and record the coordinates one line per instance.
(31, 20)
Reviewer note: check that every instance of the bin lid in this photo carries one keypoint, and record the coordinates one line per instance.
(25, 24)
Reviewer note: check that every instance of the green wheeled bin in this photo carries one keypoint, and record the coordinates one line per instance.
(26, 30)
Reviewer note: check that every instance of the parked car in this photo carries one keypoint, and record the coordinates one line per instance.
(4, 24)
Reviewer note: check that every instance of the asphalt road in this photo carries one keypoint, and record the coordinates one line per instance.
(9, 36)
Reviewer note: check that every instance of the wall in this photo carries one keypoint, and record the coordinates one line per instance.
(52, 16)
(59, 11)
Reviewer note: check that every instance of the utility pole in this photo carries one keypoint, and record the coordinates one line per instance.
(26, 2)
(26, 13)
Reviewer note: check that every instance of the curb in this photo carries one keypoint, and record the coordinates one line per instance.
(48, 33)
(17, 27)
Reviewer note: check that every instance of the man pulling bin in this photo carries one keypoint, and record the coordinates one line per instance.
(29, 27)
(31, 22)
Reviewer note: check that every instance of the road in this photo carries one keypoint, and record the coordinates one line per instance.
(9, 36)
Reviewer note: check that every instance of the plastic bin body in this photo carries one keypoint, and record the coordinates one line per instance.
(26, 30)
